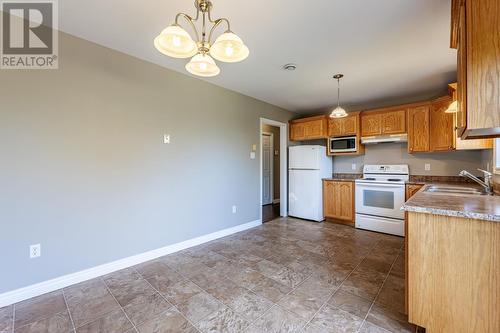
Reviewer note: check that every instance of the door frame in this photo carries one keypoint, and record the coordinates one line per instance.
(271, 173)
(283, 164)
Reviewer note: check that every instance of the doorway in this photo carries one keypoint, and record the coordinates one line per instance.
(273, 169)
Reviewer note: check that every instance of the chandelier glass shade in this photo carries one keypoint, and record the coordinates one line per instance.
(176, 42)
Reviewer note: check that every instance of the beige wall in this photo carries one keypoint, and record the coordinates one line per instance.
(85, 173)
(276, 158)
(442, 164)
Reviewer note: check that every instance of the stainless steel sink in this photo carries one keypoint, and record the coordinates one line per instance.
(454, 190)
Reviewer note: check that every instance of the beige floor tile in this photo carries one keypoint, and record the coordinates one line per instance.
(388, 319)
(250, 305)
(145, 307)
(270, 289)
(368, 327)
(181, 291)
(364, 283)
(302, 305)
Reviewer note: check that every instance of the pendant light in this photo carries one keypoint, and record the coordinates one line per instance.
(338, 112)
(176, 42)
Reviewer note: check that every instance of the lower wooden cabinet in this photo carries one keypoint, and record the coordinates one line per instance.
(338, 200)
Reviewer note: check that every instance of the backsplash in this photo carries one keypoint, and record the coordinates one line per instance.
(441, 164)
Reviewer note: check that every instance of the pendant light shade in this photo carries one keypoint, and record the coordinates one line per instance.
(175, 42)
(228, 47)
(453, 108)
(202, 65)
(338, 112)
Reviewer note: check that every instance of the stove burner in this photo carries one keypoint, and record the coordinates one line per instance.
(369, 179)
(394, 180)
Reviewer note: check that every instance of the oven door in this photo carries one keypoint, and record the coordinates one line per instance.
(380, 199)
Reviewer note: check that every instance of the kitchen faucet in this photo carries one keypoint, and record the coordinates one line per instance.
(487, 179)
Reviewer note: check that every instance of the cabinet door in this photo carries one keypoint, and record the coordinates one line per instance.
(371, 124)
(462, 74)
(329, 199)
(442, 126)
(297, 132)
(335, 127)
(394, 122)
(350, 125)
(345, 200)
(315, 129)
(418, 129)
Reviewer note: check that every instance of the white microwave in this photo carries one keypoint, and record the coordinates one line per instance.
(348, 144)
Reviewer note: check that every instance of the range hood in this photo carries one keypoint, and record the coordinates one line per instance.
(366, 140)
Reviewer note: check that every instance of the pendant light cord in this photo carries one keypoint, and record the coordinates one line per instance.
(338, 92)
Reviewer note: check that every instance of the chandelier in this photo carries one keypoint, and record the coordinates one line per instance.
(176, 42)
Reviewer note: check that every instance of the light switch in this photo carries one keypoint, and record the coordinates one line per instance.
(427, 167)
(166, 138)
(252, 155)
(276, 152)
(254, 147)
(353, 166)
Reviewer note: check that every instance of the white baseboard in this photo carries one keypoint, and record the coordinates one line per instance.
(276, 201)
(21, 294)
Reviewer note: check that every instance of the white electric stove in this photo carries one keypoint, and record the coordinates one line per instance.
(379, 197)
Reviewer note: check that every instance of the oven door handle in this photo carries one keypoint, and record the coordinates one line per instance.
(380, 185)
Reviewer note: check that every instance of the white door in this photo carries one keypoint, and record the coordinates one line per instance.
(267, 183)
(305, 157)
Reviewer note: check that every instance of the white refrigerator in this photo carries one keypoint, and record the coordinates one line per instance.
(307, 167)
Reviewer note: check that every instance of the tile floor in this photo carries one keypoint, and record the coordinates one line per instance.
(284, 276)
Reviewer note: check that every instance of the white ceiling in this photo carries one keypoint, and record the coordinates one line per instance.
(387, 49)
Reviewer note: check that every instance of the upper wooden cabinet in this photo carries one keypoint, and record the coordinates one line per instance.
(344, 126)
(419, 129)
(382, 122)
(310, 128)
(442, 131)
(338, 200)
(476, 34)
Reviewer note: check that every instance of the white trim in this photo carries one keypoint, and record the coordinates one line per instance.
(271, 161)
(276, 201)
(21, 294)
(496, 154)
(283, 164)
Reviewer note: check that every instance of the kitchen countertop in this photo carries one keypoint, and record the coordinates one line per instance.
(480, 207)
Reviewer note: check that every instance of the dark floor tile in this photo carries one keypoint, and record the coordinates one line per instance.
(351, 303)
(85, 291)
(302, 305)
(247, 278)
(270, 289)
(368, 327)
(181, 291)
(6, 318)
(277, 320)
(388, 319)
(92, 309)
(38, 308)
(58, 323)
(145, 307)
(125, 293)
(250, 305)
(364, 283)
(317, 288)
(114, 321)
(336, 319)
(170, 321)
(199, 306)
(392, 294)
(224, 320)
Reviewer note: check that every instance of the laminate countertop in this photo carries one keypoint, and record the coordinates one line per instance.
(479, 207)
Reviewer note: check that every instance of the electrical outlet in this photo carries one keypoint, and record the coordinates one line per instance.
(234, 209)
(353, 166)
(252, 155)
(427, 167)
(166, 138)
(35, 251)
